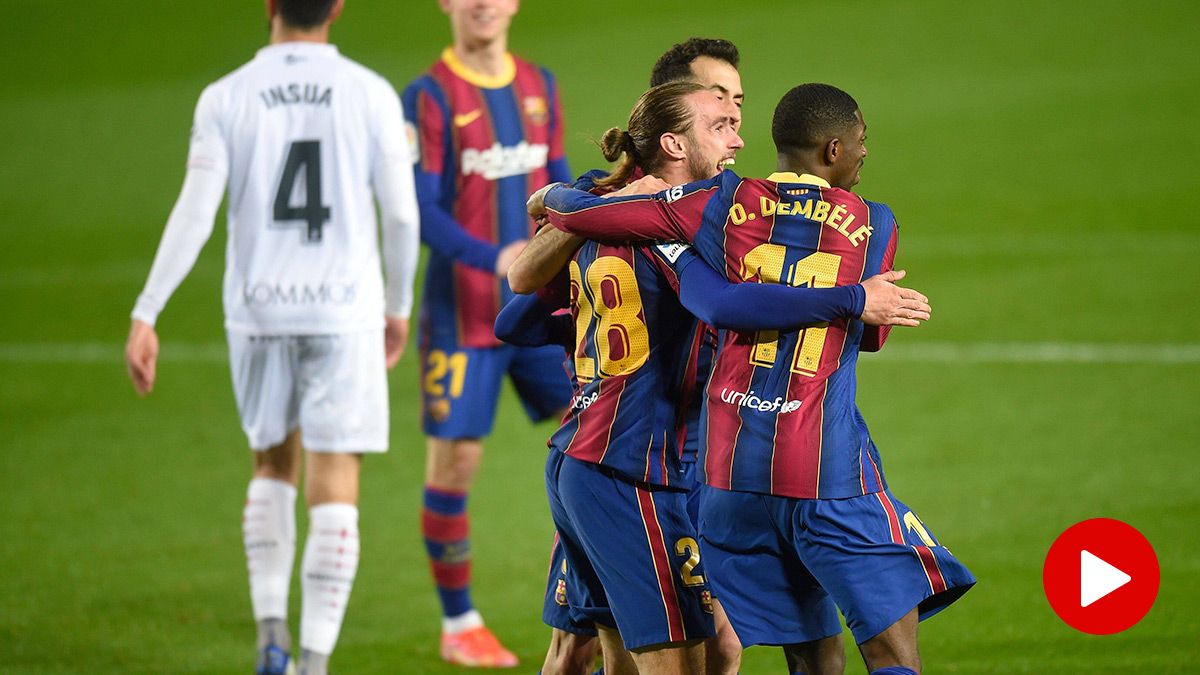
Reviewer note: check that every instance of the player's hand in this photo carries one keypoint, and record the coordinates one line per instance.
(508, 255)
(891, 305)
(141, 356)
(395, 339)
(646, 185)
(536, 204)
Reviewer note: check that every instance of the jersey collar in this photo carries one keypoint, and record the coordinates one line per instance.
(479, 79)
(791, 177)
(299, 46)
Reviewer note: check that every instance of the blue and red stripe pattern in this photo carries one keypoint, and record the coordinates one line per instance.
(781, 414)
(482, 146)
(635, 365)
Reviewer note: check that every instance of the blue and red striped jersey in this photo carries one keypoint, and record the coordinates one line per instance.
(636, 359)
(781, 416)
(482, 145)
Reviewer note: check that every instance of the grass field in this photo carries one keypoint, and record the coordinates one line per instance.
(1040, 157)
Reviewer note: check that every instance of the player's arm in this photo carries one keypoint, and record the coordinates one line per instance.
(747, 307)
(188, 228)
(873, 337)
(531, 320)
(557, 167)
(673, 214)
(542, 259)
(440, 231)
(392, 180)
(528, 321)
(550, 249)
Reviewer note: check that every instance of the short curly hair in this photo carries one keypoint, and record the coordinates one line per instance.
(676, 63)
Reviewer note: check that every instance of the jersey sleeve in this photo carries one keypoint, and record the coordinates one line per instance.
(528, 321)
(873, 337)
(191, 221)
(673, 214)
(749, 306)
(392, 181)
(429, 115)
(559, 170)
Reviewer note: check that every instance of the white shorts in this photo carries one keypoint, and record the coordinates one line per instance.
(332, 387)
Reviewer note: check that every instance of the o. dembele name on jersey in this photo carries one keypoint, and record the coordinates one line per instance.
(295, 93)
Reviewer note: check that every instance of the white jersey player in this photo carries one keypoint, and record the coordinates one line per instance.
(302, 137)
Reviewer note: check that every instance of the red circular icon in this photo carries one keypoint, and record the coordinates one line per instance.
(1101, 576)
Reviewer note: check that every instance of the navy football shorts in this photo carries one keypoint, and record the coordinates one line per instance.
(780, 565)
(460, 386)
(633, 560)
(556, 609)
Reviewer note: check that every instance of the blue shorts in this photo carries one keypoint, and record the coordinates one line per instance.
(460, 386)
(556, 608)
(780, 565)
(633, 561)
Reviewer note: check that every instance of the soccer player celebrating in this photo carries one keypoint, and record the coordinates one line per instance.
(796, 507)
(712, 62)
(489, 130)
(302, 136)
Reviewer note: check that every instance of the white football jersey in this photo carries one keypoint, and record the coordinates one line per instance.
(302, 132)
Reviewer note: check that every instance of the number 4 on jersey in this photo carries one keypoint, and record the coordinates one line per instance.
(302, 155)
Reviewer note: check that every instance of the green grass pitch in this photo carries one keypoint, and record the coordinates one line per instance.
(1040, 157)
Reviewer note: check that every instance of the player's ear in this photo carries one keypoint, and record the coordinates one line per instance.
(833, 149)
(270, 9)
(336, 10)
(673, 146)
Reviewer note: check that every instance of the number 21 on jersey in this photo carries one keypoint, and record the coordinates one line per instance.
(608, 300)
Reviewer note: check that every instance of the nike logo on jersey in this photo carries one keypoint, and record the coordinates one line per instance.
(466, 118)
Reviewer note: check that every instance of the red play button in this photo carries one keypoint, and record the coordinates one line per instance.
(1101, 576)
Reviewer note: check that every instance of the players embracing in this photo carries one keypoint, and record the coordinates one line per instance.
(796, 508)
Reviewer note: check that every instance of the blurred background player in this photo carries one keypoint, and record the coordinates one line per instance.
(796, 508)
(489, 130)
(302, 136)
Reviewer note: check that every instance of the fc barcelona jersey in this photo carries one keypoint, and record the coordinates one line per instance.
(781, 416)
(483, 144)
(635, 363)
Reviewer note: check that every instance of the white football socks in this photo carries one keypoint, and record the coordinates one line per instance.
(327, 571)
(463, 622)
(269, 533)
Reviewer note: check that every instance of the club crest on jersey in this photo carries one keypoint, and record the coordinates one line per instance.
(560, 593)
(706, 601)
(439, 409)
(501, 161)
(536, 109)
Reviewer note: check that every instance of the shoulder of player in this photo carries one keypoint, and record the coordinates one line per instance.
(427, 84)
(522, 64)
(370, 77)
(880, 213)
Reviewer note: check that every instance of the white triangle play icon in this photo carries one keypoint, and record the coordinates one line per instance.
(1097, 578)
